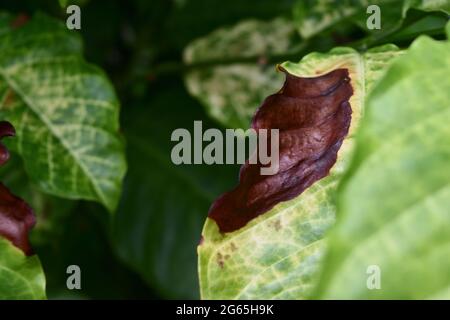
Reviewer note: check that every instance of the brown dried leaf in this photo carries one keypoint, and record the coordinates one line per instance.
(313, 117)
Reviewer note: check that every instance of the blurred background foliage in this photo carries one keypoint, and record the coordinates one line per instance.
(166, 78)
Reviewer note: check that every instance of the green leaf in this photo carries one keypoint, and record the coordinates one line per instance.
(430, 25)
(313, 17)
(393, 206)
(158, 224)
(21, 277)
(365, 69)
(430, 5)
(227, 78)
(65, 112)
(277, 255)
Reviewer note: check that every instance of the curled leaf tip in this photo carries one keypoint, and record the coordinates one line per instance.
(16, 217)
(16, 220)
(313, 117)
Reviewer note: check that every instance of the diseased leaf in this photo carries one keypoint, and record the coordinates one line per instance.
(313, 117)
(365, 69)
(393, 205)
(65, 111)
(16, 217)
(277, 254)
(230, 80)
(314, 16)
(21, 277)
(231, 84)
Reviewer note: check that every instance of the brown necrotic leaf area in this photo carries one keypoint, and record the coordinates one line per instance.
(16, 217)
(313, 117)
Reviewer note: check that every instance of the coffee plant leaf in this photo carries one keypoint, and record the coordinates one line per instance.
(393, 203)
(65, 111)
(232, 74)
(277, 255)
(21, 277)
(313, 17)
